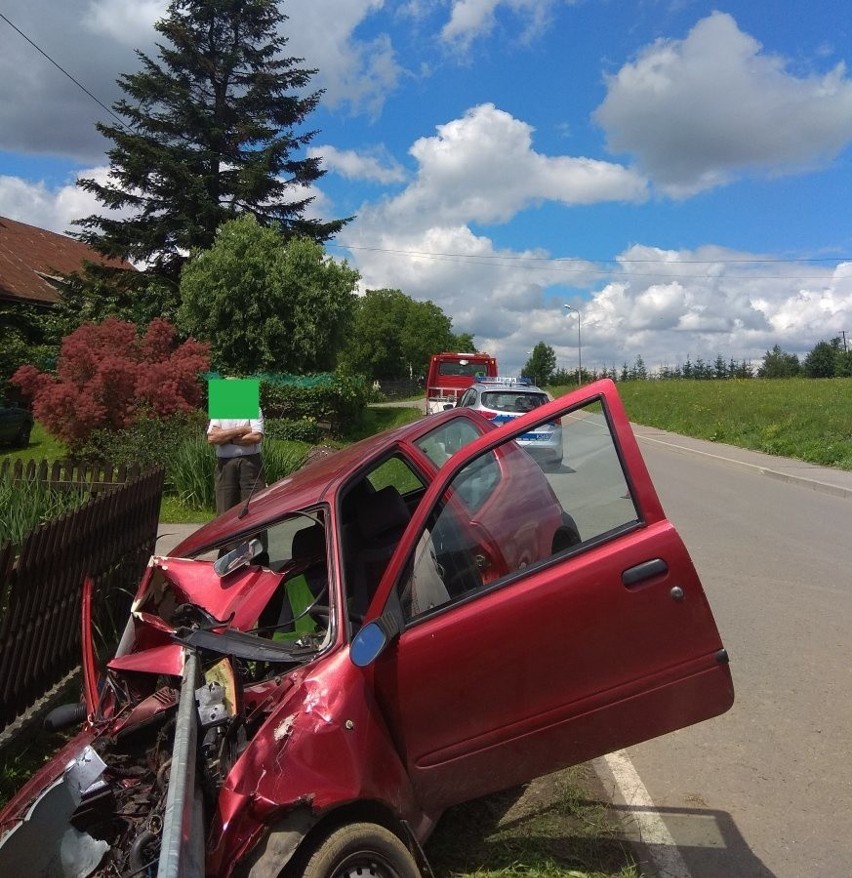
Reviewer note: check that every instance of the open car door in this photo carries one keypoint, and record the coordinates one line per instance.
(547, 617)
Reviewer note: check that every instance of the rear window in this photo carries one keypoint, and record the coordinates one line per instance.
(440, 444)
(516, 402)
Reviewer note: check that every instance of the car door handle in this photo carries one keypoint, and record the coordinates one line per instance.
(646, 570)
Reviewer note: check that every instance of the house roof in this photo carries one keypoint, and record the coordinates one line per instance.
(31, 259)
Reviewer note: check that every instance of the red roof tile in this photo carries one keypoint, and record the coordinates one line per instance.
(30, 256)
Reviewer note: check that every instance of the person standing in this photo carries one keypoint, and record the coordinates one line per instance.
(239, 465)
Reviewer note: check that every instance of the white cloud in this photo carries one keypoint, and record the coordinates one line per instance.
(352, 71)
(483, 168)
(700, 111)
(54, 208)
(670, 305)
(377, 168)
(472, 19)
(663, 305)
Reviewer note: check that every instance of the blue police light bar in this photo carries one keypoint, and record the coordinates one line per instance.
(523, 381)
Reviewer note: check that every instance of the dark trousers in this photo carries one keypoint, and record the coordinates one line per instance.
(236, 477)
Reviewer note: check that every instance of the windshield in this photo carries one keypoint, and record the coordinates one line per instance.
(273, 606)
(462, 367)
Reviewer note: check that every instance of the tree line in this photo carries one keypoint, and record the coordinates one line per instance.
(827, 359)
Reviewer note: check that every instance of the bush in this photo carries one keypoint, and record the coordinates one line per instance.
(192, 473)
(148, 442)
(332, 398)
(280, 458)
(108, 377)
(303, 430)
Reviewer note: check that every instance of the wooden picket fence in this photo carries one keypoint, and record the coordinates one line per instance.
(97, 477)
(109, 537)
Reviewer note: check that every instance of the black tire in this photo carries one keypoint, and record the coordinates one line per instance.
(567, 535)
(360, 850)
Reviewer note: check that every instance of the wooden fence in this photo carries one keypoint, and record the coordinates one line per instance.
(109, 537)
(97, 477)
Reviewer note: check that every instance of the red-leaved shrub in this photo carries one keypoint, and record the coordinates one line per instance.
(108, 377)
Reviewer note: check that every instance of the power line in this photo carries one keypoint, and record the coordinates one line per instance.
(63, 70)
(576, 265)
(551, 259)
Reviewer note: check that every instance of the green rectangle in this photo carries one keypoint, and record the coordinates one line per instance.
(237, 398)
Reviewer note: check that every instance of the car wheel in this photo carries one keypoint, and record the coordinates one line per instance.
(22, 440)
(567, 534)
(361, 850)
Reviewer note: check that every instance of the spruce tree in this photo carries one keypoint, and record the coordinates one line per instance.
(213, 131)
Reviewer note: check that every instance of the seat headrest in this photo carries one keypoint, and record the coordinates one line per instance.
(382, 512)
(309, 541)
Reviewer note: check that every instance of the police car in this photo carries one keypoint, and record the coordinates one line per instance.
(501, 399)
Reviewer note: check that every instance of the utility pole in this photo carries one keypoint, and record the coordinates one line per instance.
(579, 344)
(843, 334)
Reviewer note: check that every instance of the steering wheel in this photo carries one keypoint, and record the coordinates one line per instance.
(314, 605)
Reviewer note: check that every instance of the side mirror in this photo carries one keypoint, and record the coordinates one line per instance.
(236, 558)
(448, 406)
(370, 642)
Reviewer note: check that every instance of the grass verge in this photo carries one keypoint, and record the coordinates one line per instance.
(376, 419)
(42, 446)
(548, 829)
(804, 418)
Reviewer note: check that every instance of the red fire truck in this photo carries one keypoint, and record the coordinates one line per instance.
(450, 374)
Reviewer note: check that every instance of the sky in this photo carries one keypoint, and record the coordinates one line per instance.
(664, 179)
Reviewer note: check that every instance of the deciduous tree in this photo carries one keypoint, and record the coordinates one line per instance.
(266, 304)
(821, 361)
(777, 363)
(393, 336)
(541, 365)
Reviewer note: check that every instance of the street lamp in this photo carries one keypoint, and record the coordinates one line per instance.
(579, 344)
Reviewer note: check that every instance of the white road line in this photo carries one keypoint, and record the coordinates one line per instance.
(662, 849)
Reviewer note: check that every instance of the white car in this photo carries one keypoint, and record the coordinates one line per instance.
(503, 399)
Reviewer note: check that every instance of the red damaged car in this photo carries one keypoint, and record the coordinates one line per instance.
(423, 618)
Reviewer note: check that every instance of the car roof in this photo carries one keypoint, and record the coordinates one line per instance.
(317, 482)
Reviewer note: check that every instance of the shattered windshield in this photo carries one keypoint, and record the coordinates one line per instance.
(272, 602)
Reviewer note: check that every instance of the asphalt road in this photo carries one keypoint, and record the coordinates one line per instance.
(766, 789)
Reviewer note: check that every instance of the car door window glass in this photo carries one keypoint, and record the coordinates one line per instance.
(504, 513)
(375, 510)
(442, 442)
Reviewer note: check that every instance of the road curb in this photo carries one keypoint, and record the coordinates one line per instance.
(810, 482)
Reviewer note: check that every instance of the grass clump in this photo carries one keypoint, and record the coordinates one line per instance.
(548, 829)
(191, 474)
(28, 503)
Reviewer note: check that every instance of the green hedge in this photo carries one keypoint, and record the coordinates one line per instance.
(333, 400)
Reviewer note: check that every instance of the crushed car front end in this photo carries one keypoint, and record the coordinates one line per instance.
(209, 730)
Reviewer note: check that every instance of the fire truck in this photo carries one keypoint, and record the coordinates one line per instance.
(451, 374)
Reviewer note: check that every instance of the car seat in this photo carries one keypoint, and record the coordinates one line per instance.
(379, 523)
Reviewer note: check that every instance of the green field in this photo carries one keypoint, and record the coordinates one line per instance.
(809, 419)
